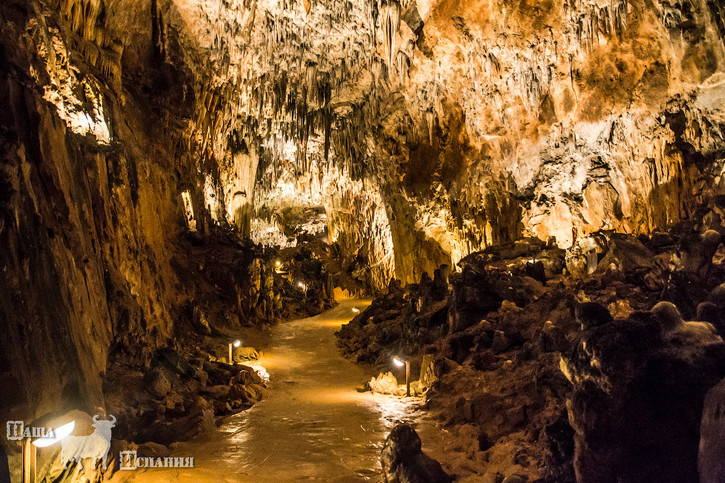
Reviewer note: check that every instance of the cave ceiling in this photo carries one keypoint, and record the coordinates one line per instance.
(426, 130)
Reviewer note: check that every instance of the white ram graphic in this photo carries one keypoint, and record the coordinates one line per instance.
(94, 446)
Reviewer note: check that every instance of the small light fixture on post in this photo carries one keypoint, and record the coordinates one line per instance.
(400, 363)
(356, 310)
(30, 446)
(235, 343)
(303, 286)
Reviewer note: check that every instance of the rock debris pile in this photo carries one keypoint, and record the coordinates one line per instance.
(558, 365)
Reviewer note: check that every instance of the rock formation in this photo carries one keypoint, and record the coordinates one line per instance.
(712, 436)
(404, 461)
(504, 345)
(639, 386)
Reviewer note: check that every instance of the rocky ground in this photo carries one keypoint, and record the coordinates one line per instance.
(516, 321)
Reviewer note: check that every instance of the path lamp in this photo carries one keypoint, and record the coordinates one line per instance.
(400, 363)
(356, 310)
(303, 286)
(235, 343)
(30, 445)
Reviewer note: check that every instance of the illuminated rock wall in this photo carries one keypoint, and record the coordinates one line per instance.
(98, 146)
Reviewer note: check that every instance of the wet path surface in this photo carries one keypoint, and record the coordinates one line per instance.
(313, 425)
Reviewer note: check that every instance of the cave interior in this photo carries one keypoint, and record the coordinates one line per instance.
(362, 240)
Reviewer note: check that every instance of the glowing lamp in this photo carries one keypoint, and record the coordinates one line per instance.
(58, 434)
(278, 263)
(400, 363)
(31, 445)
(236, 343)
(356, 310)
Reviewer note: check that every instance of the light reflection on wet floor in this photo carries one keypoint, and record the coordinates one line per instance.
(314, 425)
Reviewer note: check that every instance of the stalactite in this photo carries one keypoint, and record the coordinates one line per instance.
(430, 119)
(158, 33)
(402, 64)
(327, 116)
(390, 23)
(311, 78)
(595, 21)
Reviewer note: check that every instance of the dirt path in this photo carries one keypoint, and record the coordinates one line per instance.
(313, 425)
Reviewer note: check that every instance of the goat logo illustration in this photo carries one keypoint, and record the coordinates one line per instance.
(94, 446)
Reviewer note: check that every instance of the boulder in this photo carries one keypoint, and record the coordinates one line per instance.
(200, 322)
(158, 384)
(403, 460)
(711, 457)
(246, 354)
(628, 254)
(427, 371)
(639, 386)
(248, 394)
(657, 278)
(218, 373)
(385, 383)
(246, 375)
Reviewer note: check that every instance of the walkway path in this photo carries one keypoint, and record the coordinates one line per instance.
(313, 425)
